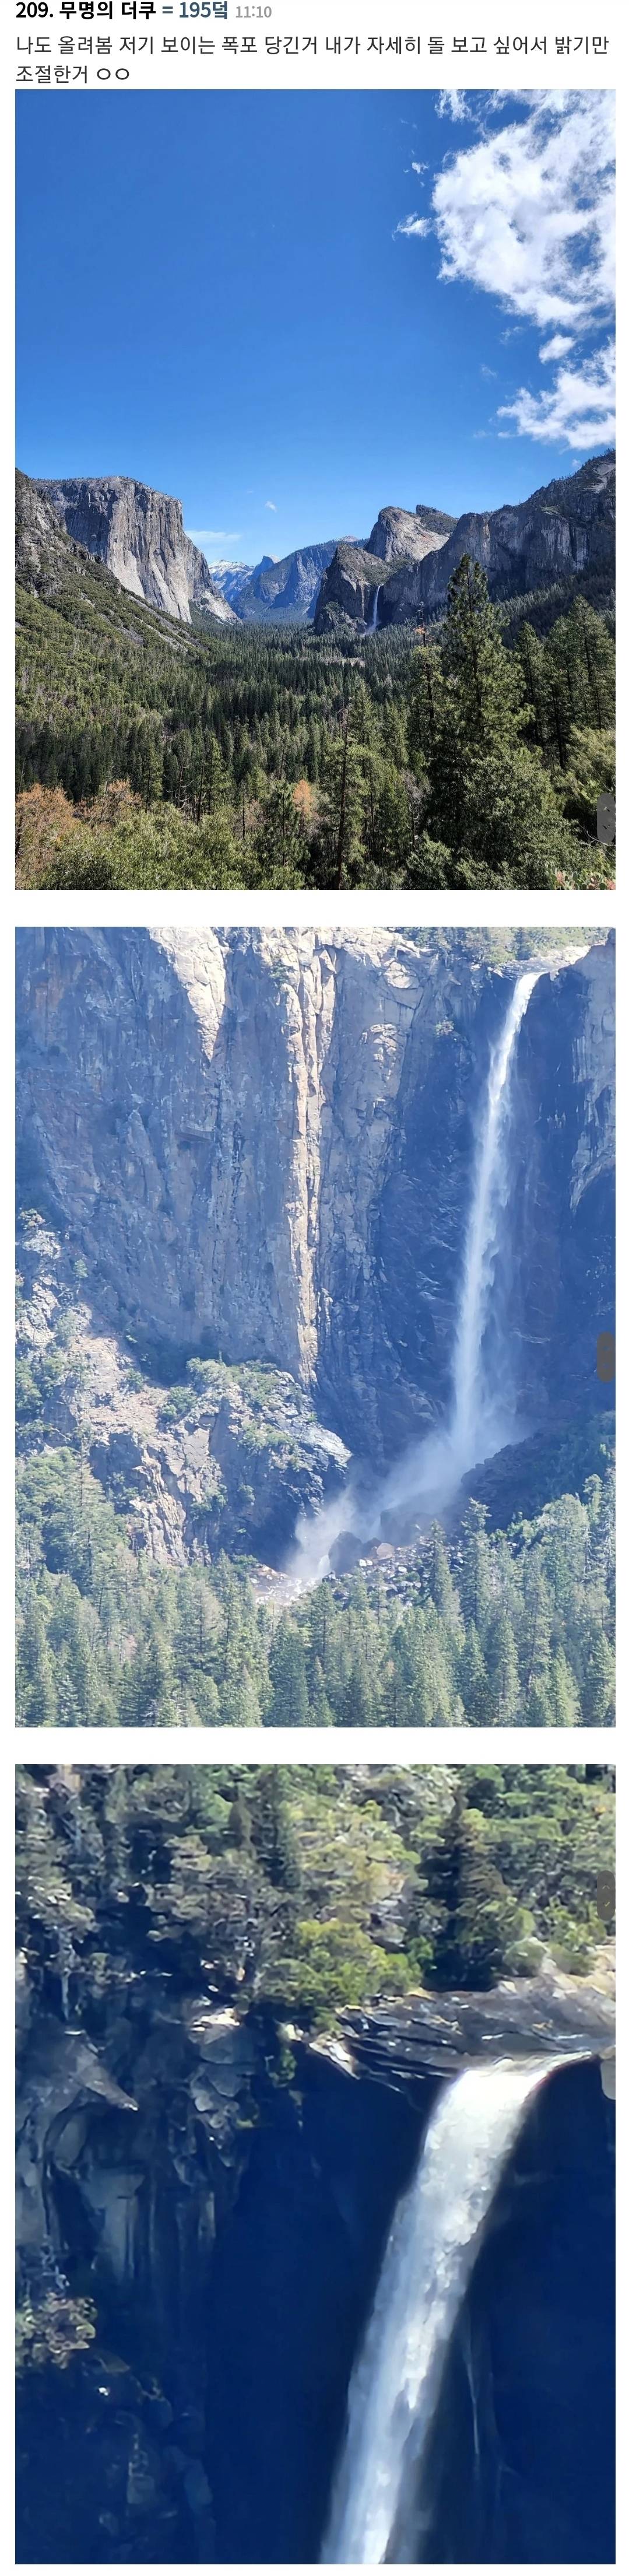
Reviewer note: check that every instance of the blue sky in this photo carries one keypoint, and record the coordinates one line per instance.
(291, 310)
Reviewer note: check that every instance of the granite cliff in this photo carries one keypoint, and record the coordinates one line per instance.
(139, 534)
(199, 2202)
(564, 532)
(411, 533)
(260, 1144)
(287, 589)
(399, 542)
(213, 2189)
(231, 577)
(565, 529)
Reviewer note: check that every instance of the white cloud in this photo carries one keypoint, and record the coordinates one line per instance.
(453, 102)
(527, 213)
(488, 371)
(270, 505)
(578, 409)
(415, 225)
(558, 347)
(419, 167)
(211, 536)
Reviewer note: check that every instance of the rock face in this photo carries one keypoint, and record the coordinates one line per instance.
(287, 589)
(549, 1315)
(438, 2034)
(566, 528)
(140, 535)
(231, 2232)
(230, 578)
(121, 2195)
(542, 2286)
(43, 551)
(261, 1143)
(231, 1470)
(408, 533)
(399, 541)
(348, 588)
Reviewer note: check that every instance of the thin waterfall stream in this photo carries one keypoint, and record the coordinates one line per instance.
(490, 1191)
(430, 1470)
(427, 2263)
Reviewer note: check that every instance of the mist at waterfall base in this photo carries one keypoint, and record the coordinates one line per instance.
(484, 1414)
(378, 2504)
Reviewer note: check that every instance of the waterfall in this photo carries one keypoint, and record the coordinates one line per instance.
(373, 621)
(471, 1420)
(426, 2267)
(429, 1473)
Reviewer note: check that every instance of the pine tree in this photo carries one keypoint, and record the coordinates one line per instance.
(425, 711)
(597, 1686)
(273, 1832)
(475, 1574)
(563, 1693)
(391, 833)
(357, 1704)
(473, 1680)
(342, 803)
(532, 661)
(479, 1917)
(511, 827)
(488, 797)
(538, 1706)
(280, 839)
(156, 1679)
(596, 655)
(485, 681)
(36, 1692)
(287, 1664)
(502, 1670)
(441, 1586)
(320, 1712)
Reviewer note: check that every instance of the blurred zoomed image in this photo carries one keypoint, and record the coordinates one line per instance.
(315, 2165)
(315, 1327)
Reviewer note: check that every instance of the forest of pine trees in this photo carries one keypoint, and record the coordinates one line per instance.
(267, 758)
(277, 1876)
(494, 1629)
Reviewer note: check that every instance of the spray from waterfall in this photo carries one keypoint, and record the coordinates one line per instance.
(373, 621)
(379, 2500)
(481, 1419)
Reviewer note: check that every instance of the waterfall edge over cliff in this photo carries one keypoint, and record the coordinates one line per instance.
(426, 2267)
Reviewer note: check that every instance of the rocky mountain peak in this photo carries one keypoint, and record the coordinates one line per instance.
(566, 530)
(139, 534)
(402, 532)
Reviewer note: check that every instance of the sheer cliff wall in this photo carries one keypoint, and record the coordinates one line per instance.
(261, 1145)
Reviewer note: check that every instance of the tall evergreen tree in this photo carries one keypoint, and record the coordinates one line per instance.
(287, 1664)
(273, 1831)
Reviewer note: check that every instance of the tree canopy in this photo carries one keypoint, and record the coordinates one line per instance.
(304, 1889)
(265, 757)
